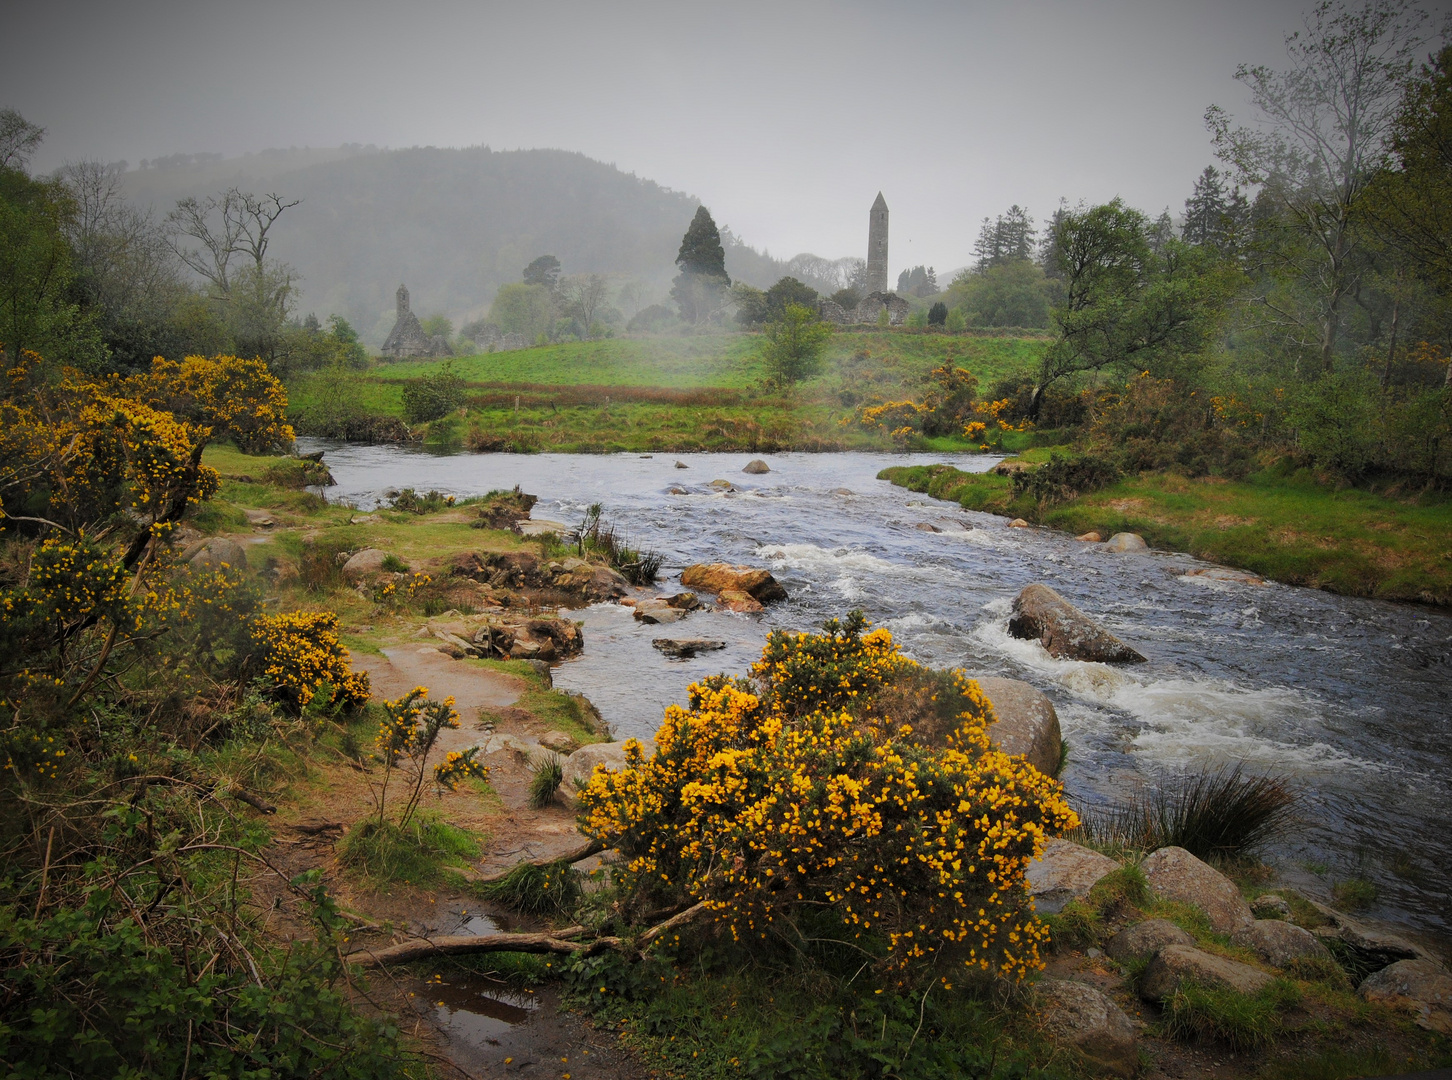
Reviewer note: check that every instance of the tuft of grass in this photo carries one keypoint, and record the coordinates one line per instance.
(1243, 1021)
(417, 854)
(1319, 969)
(1076, 925)
(537, 890)
(1336, 1064)
(545, 777)
(1125, 887)
(1354, 894)
(1213, 815)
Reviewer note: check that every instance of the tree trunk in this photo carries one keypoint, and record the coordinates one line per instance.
(1391, 347)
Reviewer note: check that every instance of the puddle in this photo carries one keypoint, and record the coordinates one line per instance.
(480, 925)
(479, 1014)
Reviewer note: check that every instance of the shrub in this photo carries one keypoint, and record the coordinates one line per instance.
(537, 890)
(1243, 1021)
(793, 794)
(298, 653)
(592, 534)
(428, 397)
(1062, 479)
(411, 502)
(1219, 814)
(545, 777)
(414, 852)
(408, 732)
(938, 314)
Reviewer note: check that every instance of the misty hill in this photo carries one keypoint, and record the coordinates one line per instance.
(453, 224)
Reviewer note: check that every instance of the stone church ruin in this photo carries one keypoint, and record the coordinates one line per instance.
(407, 338)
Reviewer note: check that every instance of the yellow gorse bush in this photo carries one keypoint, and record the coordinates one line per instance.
(300, 652)
(797, 793)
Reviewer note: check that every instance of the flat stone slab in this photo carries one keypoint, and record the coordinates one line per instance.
(1175, 964)
(541, 527)
(1064, 872)
(1144, 940)
(1174, 874)
(1280, 943)
(682, 648)
(1421, 986)
(1081, 1016)
(1027, 724)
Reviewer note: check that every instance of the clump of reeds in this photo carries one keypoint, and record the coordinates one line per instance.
(593, 534)
(545, 777)
(1221, 814)
(537, 890)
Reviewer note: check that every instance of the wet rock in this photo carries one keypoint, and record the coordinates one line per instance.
(259, 519)
(718, 578)
(736, 600)
(841, 491)
(1090, 538)
(1270, 906)
(722, 485)
(683, 648)
(1018, 523)
(686, 601)
(1126, 542)
(756, 467)
(557, 741)
(1372, 945)
(1280, 943)
(1078, 1015)
(215, 553)
(682, 465)
(657, 611)
(1421, 986)
(1174, 874)
(1027, 724)
(1144, 939)
(926, 526)
(1065, 631)
(1064, 872)
(1223, 573)
(676, 489)
(1174, 964)
(580, 765)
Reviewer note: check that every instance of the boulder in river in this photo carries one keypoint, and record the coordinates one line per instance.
(684, 648)
(756, 467)
(722, 485)
(1144, 940)
(215, 553)
(1421, 986)
(657, 611)
(1079, 1015)
(737, 600)
(1027, 724)
(1090, 538)
(1065, 631)
(1224, 573)
(1175, 964)
(719, 578)
(682, 465)
(1174, 874)
(1126, 541)
(1065, 871)
(1018, 523)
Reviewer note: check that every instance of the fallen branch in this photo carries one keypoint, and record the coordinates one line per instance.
(315, 828)
(556, 942)
(594, 847)
(254, 801)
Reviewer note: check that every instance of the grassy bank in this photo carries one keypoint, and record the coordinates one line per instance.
(681, 393)
(1282, 524)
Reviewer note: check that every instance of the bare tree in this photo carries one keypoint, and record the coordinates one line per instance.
(1321, 131)
(121, 253)
(583, 294)
(18, 139)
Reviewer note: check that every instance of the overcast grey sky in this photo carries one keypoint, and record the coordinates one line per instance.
(785, 118)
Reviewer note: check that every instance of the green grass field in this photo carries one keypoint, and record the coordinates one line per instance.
(1282, 525)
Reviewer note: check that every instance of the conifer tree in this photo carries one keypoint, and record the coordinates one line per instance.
(703, 280)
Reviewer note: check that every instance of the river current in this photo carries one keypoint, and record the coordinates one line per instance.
(1350, 699)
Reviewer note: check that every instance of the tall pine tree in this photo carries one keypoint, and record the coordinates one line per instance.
(703, 280)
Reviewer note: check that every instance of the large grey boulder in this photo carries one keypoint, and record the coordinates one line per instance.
(1065, 631)
(1280, 943)
(580, 765)
(1174, 874)
(1422, 986)
(654, 611)
(365, 564)
(1027, 724)
(1175, 964)
(1144, 940)
(1126, 542)
(1081, 1016)
(1064, 872)
(756, 467)
(215, 553)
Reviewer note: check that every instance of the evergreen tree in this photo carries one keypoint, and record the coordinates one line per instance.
(1205, 209)
(703, 280)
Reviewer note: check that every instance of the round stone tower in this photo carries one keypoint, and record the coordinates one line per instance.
(403, 295)
(877, 246)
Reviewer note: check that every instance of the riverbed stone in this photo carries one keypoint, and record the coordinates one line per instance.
(682, 465)
(736, 600)
(1027, 724)
(658, 611)
(1064, 872)
(1144, 940)
(1422, 986)
(720, 577)
(1090, 538)
(1126, 541)
(722, 485)
(215, 553)
(1224, 573)
(1280, 943)
(580, 766)
(364, 564)
(683, 648)
(1018, 523)
(1081, 1016)
(1174, 874)
(756, 467)
(1063, 630)
(1175, 964)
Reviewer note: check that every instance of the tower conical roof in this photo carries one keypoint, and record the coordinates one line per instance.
(881, 203)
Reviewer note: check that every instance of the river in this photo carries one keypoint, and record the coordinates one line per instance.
(1350, 699)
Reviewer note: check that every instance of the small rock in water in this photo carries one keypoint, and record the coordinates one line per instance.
(681, 648)
(723, 485)
(1018, 523)
(1126, 541)
(646, 457)
(1223, 573)
(842, 491)
(756, 467)
(1090, 538)
(926, 526)
(682, 465)
(676, 489)
(658, 611)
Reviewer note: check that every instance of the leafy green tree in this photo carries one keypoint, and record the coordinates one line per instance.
(429, 397)
(1015, 292)
(847, 298)
(789, 291)
(437, 326)
(1127, 306)
(794, 344)
(750, 304)
(19, 139)
(543, 271)
(701, 285)
(528, 310)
